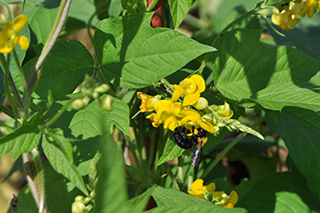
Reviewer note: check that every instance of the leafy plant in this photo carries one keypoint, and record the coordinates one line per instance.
(145, 118)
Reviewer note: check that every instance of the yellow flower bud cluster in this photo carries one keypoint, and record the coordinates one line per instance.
(208, 192)
(91, 89)
(186, 108)
(287, 15)
(9, 34)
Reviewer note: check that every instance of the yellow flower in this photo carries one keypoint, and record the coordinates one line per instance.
(198, 189)
(155, 120)
(191, 118)
(9, 35)
(217, 197)
(285, 19)
(224, 110)
(310, 8)
(148, 101)
(169, 113)
(227, 201)
(190, 88)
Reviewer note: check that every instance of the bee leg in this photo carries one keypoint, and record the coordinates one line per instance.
(196, 158)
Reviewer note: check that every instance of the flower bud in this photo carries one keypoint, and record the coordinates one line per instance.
(106, 103)
(3, 19)
(78, 104)
(102, 88)
(79, 198)
(95, 94)
(201, 104)
(78, 207)
(208, 196)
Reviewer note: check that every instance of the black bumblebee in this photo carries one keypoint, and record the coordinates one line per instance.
(187, 142)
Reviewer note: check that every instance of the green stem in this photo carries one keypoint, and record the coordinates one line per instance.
(9, 10)
(235, 22)
(59, 22)
(105, 81)
(167, 85)
(152, 5)
(6, 126)
(35, 177)
(25, 88)
(61, 111)
(8, 112)
(8, 79)
(228, 148)
(173, 178)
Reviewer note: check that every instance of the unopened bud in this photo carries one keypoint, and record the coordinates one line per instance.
(79, 198)
(95, 94)
(78, 104)
(87, 200)
(106, 103)
(201, 104)
(208, 196)
(3, 19)
(102, 88)
(78, 207)
(86, 100)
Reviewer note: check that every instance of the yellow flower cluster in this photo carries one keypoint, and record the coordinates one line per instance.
(9, 35)
(192, 113)
(208, 192)
(287, 16)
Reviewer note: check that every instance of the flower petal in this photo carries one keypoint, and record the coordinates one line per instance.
(191, 99)
(20, 22)
(201, 85)
(178, 91)
(22, 41)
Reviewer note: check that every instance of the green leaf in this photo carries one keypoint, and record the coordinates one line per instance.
(83, 10)
(248, 71)
(139, 203)
(56, 137)
(171, 197)
(280, 192)
(41, 19)
(129, 6)
(196, 208)
(87, 122)
(64, 69)
(23, 139)
(300, 130)
(60, 162)
(133, 54)
(18, 164)
(111, 189)
(179, 9)
(101, 8)
(171, 151)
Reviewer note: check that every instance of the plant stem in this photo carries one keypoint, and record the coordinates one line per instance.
(152, 5)
(228, 148)
(59, 22)
(35, 177)
(25, 88)
(61, 111)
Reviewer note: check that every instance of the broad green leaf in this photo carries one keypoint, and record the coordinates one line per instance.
(179, 9)
(64, 69)
(111, 190)
(115, 8)
(280, 192)
(87, 122)
(171, 197)
(23, 139)
(246, 70)
(171, 151)
(300, 130)
(83, 10)
(134, 55)
(41, 18)
(196, 208)
(139, 203)
(60, 162)
(54, 185)
(56, 137)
